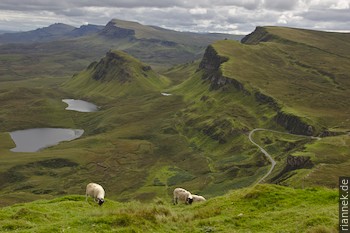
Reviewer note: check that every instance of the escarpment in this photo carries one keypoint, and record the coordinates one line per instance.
(213, 74)
(210, 64)
(294, 124)
(260, 34)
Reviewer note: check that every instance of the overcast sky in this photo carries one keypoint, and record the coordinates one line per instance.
(229, 16)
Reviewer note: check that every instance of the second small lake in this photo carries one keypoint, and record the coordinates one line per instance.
(80, 105)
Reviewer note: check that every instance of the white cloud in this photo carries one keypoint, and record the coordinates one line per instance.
(198, 11)
(341, 5)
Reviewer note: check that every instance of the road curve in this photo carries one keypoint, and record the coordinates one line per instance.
(272, 161)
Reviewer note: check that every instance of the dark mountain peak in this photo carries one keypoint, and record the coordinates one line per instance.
(86, 30)
(112, 30)
(117, 74)
(53, 32)
(124, 23)
(60, 25)
(56, 29)
(260, 34)
(117, 65)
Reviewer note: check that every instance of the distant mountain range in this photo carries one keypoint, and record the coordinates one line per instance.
(115, 29)
(57, 31)
(61, 50)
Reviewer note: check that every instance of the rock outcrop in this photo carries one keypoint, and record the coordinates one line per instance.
(260, 34)
(116, 65)
(294, 124)
(298, 162)
(293, 163)
(265, 99)
(210, 64)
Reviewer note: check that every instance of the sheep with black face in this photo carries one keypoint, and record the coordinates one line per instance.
(182, 195)
(95, 191)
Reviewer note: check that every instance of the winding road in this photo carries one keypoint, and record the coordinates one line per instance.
(272, 161)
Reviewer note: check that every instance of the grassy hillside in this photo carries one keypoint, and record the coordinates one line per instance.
(300, 69)
(264, 208)
(116, 75)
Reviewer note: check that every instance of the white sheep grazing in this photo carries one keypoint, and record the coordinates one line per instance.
(183, 196)
(198, 198)
(95, 191)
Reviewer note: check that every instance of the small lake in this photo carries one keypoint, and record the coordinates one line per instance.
(80, 105)
(32, 140)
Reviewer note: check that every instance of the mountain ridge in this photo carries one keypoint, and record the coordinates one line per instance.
(57, 31)
(65, 54)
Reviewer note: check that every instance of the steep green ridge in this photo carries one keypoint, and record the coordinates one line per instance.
(117, 74)
(264, 208)
(298, 68)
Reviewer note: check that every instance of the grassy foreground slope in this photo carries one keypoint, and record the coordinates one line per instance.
(263, 208)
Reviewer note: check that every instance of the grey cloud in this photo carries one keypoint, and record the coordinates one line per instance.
(329, 15)
(280, 5)
(247, 4)
(23, 5)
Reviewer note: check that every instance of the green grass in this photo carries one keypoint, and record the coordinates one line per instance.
(264, 208)
(331, 157)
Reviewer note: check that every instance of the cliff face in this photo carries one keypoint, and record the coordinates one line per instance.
(260, 34)
(293, 163)
(210, 64)
(294, 124)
